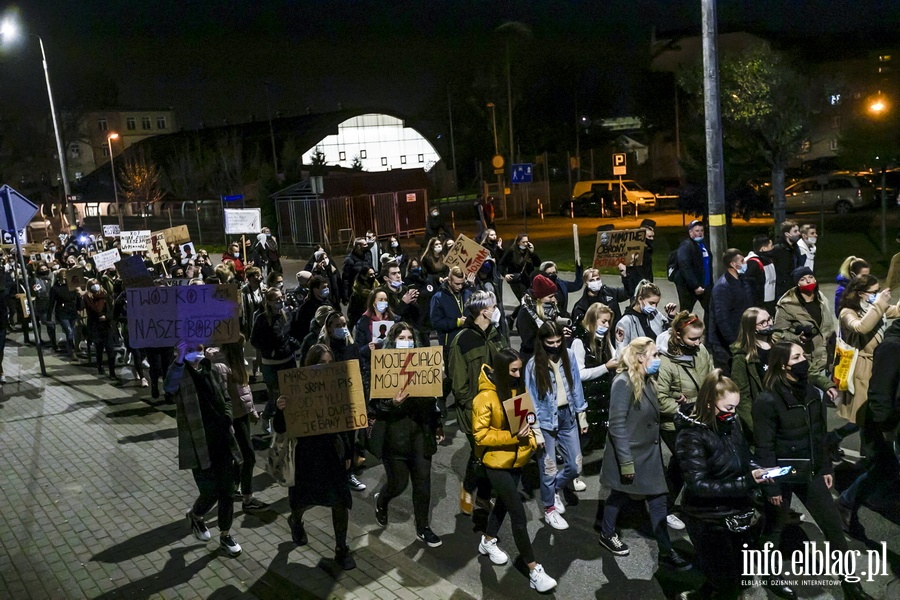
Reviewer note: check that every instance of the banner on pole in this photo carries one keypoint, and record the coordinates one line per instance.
(243, 220)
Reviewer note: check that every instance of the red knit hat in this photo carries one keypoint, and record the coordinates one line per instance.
(542, 287)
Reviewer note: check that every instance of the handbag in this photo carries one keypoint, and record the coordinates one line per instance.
(280, 459)
(741, 522)
(845, 357)
(801, 470)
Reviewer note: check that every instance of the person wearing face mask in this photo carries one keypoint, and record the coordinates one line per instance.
(206, 442)
(518, 263)
(7, 290)
(685, 364)
(786, 257)
(802, 316)
(363, 285)
(315, 329)
(235, 256)
(395, 253)
(553, 380)
(475, 345)
(368, 334)
(433, 259)
(751, 359)
(720, 479)
(633, 464)
(402, 299)
(494, 244)
(448, 307)
(355, 263)
(596, 358)
(321, 264)
(865, 309)
(319, 294)
(563, 288)
(252, 301)
(596, 292)
(807, 245)
(643, 318)
(538, 307)
(40, 290)
(790, 428)
(760, 275)
(730, 298)
(693, 277)
(436, 227)
(99, 308)
(405, 435)
(852, 266)
(504, 452)
(488, 279)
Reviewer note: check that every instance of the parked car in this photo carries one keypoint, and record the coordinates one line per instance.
(838, 192)
(589, 204)
(631, 191)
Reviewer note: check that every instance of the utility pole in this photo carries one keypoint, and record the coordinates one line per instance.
(271, 129)
(715, 176)
(452, 141)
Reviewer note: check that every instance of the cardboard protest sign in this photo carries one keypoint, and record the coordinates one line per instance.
(107, 260)
(419, 371)
(110, 231)
(178, 281)
(48, 257)
(159, 250)
(614, 247)
(467, 255)
(23, 302)
(243, 220)
(175, 235)
(134, 272)
(75, 278)
(517, 409)
(188, 252)
(134, 241)
(323, 399)
(380, 330)
(160, 317)
(893, 278)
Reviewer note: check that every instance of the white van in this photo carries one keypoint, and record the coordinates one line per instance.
(632, 192)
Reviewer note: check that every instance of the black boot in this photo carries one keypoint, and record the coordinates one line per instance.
(853, 590)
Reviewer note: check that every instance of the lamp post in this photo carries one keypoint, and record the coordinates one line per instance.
(878, 108)
(500, 189)
(112, 135)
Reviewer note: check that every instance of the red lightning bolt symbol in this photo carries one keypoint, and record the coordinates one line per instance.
(409, 374)
(517, 410)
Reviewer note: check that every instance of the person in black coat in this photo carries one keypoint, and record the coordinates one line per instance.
(693, 278)
(632, 275)
(595, 291)
(275, 344)
(436, 227)
(356, 262)
(321, 264)
(720, 476)
(319, 294)
(786, 257)
(517, 264)
(789, 429)
(563, 288)
(731, 296)
(7, 290)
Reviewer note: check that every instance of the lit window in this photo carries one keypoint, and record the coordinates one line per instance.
(403, 160)
(421, 158)
(884, 58)
(834, 99)
(160, 122)
(834, 144)
(130, 124)
(383, 161)
(362, 154)
(342, 156)
(102, 125)
(106, 151)
(145, 123)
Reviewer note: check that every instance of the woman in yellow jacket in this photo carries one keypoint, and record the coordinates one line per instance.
(503, 453)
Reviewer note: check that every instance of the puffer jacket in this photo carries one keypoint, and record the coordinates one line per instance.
(240, 394)
(495, 444)
(679, 375)
(717, 468)
(785, 426)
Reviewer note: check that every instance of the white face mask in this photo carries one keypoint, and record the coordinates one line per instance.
(495, 316)
(438, 248)
(95, 288)
(595, 286)
(404, 344)
(811, 240)
(381, 306)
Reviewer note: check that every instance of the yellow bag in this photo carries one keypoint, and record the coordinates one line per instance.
(845, 357)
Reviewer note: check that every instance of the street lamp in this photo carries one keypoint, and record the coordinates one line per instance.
(112, 135)
(9, 30)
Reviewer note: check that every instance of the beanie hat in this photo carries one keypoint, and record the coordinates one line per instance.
(542, 287)
(799, 273)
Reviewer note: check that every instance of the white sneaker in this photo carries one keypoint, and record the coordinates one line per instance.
(558, 504)
(492, 551)
(540, 581)
(578, 484)
(144, 382)
(231, 547)
(555, 520)
(674, 522)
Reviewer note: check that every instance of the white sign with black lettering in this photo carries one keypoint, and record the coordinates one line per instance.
(243, 220)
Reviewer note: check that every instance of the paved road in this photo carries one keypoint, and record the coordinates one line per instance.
(93, 507)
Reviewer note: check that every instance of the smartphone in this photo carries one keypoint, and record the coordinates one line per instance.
(776, 472)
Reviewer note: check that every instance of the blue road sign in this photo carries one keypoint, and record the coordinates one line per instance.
(521, 173)
(17, 210)
(233, 198)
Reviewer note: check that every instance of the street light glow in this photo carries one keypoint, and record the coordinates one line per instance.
(8, 29)
(113, 135)
(878, 106)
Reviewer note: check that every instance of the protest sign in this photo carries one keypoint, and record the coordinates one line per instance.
(518, 408)
(188, 252)
(178, 281)
(75, 279)
(110, 231)
(48, 257)
(9, 240)
(614, 247)
(243, 220)
(467, 255)
(107, 260)
(323, 399)
(380, 330)
(175, 235)
(134, 272)
(419, 371)
(893, 278)
(160, 317)
(23, 302)
(134, 241)
(159, 250)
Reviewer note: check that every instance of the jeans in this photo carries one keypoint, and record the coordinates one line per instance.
(566, 439)
(68, 327)
(816, 497)
(244, 473)
(656, 506)
(399, 471)
(216, 484)
(505, 483)
(270, 376)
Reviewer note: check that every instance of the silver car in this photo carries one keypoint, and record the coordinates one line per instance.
(838, 192)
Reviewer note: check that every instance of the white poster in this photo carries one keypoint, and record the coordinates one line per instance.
(243, 220)
(135, 241)
(107, 260)
(110, 231)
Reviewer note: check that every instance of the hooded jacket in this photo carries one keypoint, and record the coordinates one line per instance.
(496, 445)
(791, 313)
(470, 349)
(679, 375)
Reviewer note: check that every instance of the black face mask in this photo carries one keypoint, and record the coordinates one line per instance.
(553, 277)
(514, 382)
(690, 350)
(765, 332)
(800, 370)
(553, 351)
(725, 417)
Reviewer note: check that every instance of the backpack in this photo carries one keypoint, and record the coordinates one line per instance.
(672, 265)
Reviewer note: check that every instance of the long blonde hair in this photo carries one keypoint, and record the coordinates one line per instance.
(590, 325)
(630, 365)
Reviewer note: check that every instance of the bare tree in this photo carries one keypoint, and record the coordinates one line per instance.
(226, 164)
(140, 181)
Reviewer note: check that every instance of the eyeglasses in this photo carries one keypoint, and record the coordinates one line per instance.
(766, 322)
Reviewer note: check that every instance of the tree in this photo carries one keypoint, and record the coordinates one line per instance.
(318, 166)
(226, 165)
(357, 164)
(140, 181)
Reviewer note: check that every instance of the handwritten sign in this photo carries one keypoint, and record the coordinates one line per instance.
(517, 409)
(107, 260)
(134, 241)
(243, 220)
(111, 231)
(467, 254)
(159, 250)
(75, 279)
(159, 317)
(175, 235)
(614, 247)
(134, 272)
(323, 399)
(419, 371)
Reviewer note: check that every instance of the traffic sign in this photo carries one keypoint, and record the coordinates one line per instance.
(498, 161)
(521, 173)
(17, 209)
(619, 166)
(233, 198)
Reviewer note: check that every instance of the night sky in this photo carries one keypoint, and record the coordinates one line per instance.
(209, 60)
